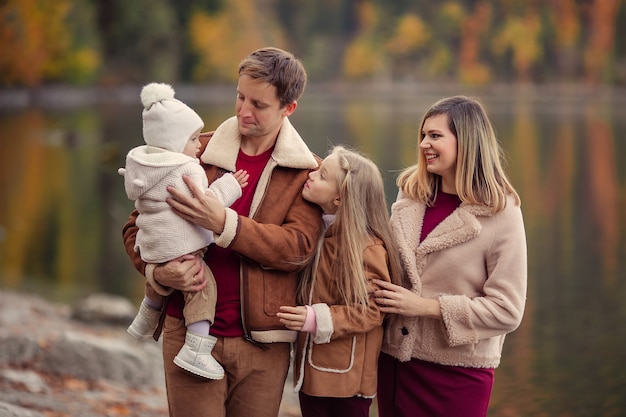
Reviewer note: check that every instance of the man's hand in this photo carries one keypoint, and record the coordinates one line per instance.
(185, 273)
(203, 209)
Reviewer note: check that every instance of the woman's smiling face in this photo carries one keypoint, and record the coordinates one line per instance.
(439, 146)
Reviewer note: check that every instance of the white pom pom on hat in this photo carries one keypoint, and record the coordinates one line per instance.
(154, 92)
(168, 123)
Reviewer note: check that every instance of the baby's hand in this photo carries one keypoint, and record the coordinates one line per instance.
(242, 177)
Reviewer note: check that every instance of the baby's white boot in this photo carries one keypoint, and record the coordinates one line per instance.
(195, 356)
(145, 323)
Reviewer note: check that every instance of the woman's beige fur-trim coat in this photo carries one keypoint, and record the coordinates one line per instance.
(474, 263)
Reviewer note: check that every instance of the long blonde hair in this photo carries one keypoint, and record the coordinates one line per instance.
(361, 215)
(480, 177)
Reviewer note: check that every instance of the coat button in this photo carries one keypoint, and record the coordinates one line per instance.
(405, 331)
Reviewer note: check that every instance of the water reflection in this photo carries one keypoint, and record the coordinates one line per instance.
(63, 206)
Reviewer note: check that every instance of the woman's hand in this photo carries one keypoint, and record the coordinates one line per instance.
(185, 273)
(292, 317)
(395, 299)
(203, 209)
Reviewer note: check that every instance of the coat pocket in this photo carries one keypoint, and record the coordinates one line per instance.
(262, 293)
(337, 356)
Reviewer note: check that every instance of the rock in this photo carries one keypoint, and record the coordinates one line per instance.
(31, 381)
(58, 365)
(64, 362)
(8, 410)
(105, 308)
(16, 349)
(86, 356)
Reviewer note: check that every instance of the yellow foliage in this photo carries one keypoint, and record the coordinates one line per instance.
(453, 12)
(362, 59)
(222, 40)
(33, 36)
(597, 53)
(410, 35)
(57, 38)
(368, 17)
(439, 61)
(82, 64)
(521, 35)
(565, 19)
(36, 44)
(24, 163)
(476, 74)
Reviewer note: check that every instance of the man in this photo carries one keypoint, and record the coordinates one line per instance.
(261, 242)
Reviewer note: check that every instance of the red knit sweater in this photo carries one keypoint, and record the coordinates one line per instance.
(444, 205)
(224, 262)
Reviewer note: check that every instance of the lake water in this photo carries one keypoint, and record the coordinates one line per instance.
(63, 206)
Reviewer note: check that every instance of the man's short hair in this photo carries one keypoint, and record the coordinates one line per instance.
(278, 68)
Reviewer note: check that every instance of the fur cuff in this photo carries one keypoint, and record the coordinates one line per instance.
(455, 312)
(274, 336)
(324, 322)
(230, 229)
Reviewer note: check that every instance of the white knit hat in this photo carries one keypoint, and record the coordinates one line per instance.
(168, 123)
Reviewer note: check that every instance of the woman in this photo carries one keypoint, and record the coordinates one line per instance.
(459, 227)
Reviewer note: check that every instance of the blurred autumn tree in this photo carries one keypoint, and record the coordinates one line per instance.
(361, 59)
(518, 37)
(47, 41)
(222, 38)
(140, 40)
(111, 42)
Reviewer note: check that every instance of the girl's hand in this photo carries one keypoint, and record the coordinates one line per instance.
(395, 299)
(292, 317)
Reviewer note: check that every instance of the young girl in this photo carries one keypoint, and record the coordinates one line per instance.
(340, 325)
(459, 228)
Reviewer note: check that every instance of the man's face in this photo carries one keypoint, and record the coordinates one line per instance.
(258, 109)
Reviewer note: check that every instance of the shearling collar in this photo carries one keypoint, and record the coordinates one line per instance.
(407, 218)
(290, 150)
(461, 225)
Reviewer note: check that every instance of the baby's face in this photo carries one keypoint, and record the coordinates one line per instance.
(193, 145)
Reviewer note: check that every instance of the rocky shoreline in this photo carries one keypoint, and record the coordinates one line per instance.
(60, 361)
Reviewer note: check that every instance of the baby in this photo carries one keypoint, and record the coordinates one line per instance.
(171, 132)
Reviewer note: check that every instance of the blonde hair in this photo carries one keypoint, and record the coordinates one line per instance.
(361, 215)
(480, 177)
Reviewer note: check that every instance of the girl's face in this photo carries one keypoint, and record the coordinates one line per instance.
(322, 188)
(439, 146)
(193, 145)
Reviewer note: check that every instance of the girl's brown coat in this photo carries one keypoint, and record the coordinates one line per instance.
(341, 358)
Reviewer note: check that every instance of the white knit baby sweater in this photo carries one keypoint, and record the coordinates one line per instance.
(163, 235)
